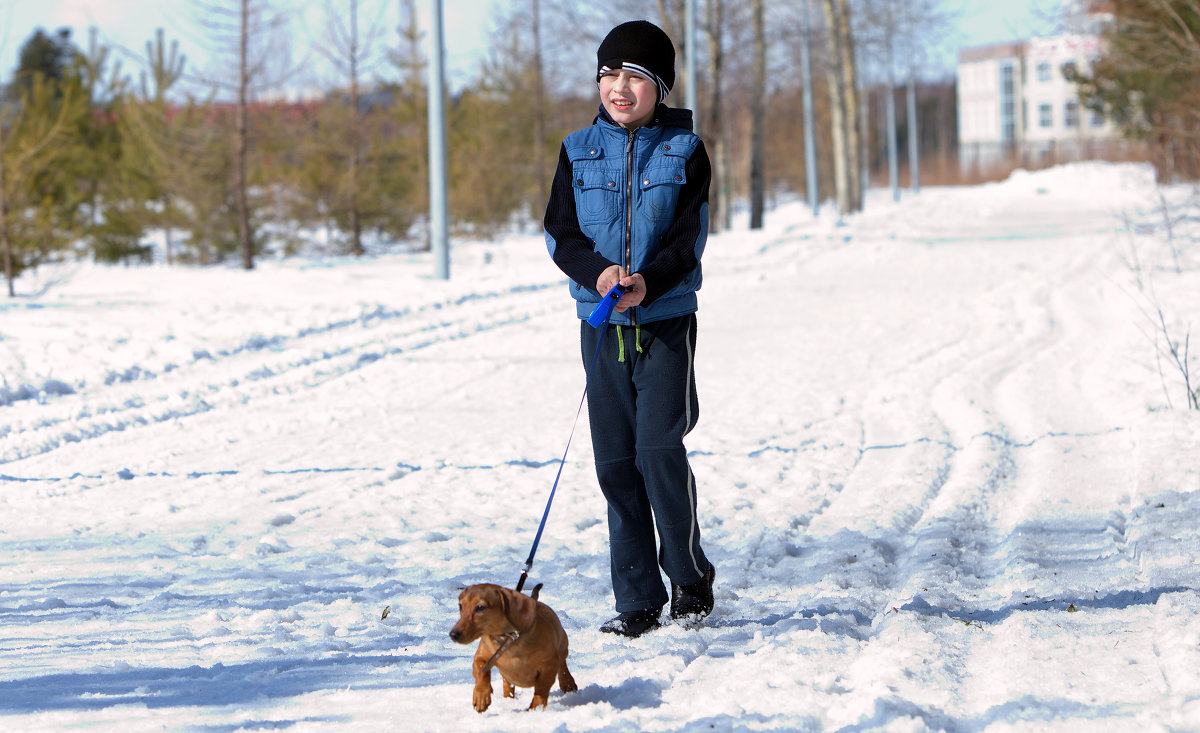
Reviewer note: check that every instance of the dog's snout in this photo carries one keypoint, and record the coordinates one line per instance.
(455, 634)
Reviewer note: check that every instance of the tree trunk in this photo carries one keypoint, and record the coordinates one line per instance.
(843, 93)
(5, 236)
(355, 136)
(854, 137)
(914, 133)
(757, 113)
(539, 113)
(837, 105)
(243, 204)
(719, 213)
(893, 153)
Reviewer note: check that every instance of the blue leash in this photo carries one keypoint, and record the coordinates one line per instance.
(598, 319)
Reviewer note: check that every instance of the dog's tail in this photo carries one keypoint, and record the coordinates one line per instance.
(536, 589)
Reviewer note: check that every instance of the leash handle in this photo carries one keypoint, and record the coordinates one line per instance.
(598, 319)
(602, 311)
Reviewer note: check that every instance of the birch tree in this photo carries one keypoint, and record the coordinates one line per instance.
(843, 92)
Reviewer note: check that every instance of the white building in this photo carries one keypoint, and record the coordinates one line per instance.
(990, 103)
(1016, 103)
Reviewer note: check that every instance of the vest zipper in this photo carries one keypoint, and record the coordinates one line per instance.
(629, 171)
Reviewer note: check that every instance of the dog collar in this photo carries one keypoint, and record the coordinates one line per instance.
(503, 642)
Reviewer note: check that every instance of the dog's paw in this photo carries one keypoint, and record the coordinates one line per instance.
(566, 682)
(509, 690)
(482, 699)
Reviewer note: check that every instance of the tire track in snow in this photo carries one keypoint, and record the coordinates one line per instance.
(867, 545)
(260, 367)
(955, 566)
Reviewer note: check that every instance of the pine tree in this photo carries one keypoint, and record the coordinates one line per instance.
(36, 199)
(46, 56)
(1146, 78)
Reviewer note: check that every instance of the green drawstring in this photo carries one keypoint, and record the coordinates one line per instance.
(637, 341)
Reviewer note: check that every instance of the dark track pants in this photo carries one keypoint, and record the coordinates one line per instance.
(639, 410)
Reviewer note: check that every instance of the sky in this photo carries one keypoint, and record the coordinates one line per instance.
(129, 24)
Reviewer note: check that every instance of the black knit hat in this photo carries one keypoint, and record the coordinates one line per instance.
(641, 47)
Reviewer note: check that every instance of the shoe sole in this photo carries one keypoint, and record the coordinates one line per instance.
(627, 635)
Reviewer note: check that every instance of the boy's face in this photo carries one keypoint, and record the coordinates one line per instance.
(628, 98)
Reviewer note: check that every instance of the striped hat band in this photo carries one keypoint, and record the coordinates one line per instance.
(642, 71)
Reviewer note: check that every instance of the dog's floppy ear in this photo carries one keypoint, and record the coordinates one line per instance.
(521, 610)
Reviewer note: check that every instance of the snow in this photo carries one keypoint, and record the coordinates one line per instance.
(946, 474)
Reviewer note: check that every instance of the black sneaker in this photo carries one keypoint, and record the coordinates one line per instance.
(633, 623)
(693, 602)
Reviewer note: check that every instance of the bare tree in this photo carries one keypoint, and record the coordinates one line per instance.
(539, 106)
(720, 210)
(250, 36)
(757, 115)
(245, 234)
(5, 236)
(351, 55)
(900, 36)
(407, 55)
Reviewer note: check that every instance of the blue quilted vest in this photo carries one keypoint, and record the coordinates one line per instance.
(626, 188)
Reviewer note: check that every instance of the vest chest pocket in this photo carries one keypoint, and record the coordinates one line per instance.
(597, 187)
(597, 195)
(660, 187)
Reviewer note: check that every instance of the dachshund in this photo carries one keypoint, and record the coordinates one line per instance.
(519, 635)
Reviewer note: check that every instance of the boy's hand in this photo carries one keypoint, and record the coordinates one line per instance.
(635, 287)
(635, 291)
(610, 277)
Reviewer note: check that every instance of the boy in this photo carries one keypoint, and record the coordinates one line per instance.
(629, 205)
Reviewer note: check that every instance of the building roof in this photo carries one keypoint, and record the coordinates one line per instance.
(1006, 50)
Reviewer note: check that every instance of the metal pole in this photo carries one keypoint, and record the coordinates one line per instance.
(689, 61)
(810, 148)
(914, 159)
(890, 107)
(439, 242)
(864, 129)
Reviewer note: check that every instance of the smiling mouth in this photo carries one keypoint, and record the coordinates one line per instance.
(622, 104)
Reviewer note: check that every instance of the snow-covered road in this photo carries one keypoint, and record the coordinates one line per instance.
(938, 475)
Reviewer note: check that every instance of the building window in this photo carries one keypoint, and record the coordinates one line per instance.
(1071, 114)
(1008, 125)
(1045, 115)
(1070, 70)
(1043, 71)
(1097, 118)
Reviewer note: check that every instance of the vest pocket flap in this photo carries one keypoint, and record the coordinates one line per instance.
(673, 174)
(679, 147)
(577, 153)
(588, 179)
